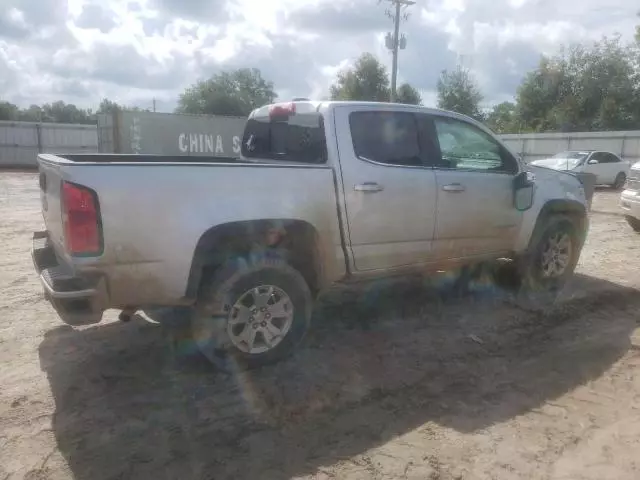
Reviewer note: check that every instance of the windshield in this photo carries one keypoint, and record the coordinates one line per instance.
(571, 155)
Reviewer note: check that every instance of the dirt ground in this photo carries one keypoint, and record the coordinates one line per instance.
(422, 386)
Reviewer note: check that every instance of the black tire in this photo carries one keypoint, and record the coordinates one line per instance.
(620, 180)
(535, 289)
(633, 222)
(225, 287)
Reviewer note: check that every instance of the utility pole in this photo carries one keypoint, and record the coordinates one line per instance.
(395, 42)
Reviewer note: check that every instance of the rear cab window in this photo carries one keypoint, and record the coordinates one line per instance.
(291, 132)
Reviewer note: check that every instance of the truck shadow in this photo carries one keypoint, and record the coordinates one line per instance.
(130, 406)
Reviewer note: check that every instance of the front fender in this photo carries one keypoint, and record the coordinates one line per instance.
(556, 192)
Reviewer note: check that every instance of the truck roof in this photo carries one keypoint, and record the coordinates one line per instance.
(309, 106)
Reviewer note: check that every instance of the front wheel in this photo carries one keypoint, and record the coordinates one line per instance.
(620, 180)
(552, 258)
(253, 312)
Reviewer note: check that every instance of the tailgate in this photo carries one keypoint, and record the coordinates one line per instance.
(50, 179)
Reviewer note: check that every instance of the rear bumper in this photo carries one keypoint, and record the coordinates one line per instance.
(630, 203)
(79, 300)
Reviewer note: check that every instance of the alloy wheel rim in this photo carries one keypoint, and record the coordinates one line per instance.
(260, 319)
(556, 255)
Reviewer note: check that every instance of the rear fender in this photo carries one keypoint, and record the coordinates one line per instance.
(299, 239)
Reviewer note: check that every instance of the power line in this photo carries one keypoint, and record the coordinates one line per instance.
(395, 42)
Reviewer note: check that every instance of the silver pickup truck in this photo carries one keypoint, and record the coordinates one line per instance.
(323, 192)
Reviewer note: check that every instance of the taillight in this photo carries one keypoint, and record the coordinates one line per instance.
(81, 220)
(282, 109)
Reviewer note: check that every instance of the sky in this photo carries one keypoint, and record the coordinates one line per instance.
(135, 51)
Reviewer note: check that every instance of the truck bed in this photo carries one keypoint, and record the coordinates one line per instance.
(155, 209)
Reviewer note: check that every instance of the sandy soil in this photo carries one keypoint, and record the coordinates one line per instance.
(420, 387)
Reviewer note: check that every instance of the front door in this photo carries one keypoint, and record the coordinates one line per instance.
(600, 168)
(390, 195)
(475, 209)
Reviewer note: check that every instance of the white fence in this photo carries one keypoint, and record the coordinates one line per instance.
(532, 146)
(20, 142)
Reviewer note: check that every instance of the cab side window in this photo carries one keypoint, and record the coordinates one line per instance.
(464, 146)
(611, 158)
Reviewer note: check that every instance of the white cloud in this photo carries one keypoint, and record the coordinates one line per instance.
(135, 50)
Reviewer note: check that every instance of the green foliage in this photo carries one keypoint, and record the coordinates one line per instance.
(584, 88)
(366, 81)
(228, 93)
(409, 95)
(109, 106)
(502, 118)
(459, 92)
(8, 111)
(57, 112)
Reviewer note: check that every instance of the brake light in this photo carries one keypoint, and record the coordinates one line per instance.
(282, 109)
(81, 220)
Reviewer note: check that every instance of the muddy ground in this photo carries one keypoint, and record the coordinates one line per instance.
(424, 387)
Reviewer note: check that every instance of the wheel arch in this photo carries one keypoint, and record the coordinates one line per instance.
(571, 208)
(297, 239)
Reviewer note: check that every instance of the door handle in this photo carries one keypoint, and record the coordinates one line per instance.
(453, 187)
(368, 187)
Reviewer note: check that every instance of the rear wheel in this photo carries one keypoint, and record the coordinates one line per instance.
(633, 222)
(620, 180)
(252, 312)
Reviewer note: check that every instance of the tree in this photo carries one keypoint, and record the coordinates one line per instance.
(32, 114)
(228, 93)
(409, 95)
(366, 81)
(108, 106)
(8, 111)
(458, 92)
(583, 88)
(60, 112)
(502, 118)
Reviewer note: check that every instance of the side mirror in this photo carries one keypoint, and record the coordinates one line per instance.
(523, 190)
(593, 161)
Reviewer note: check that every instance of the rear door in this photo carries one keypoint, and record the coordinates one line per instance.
(475, 177)
(389, 190)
